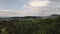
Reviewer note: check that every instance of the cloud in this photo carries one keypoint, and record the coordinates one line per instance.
(51, 8)
(55, 0)
(9, 13)
(34, 8)
(31, 12)
(38, 3)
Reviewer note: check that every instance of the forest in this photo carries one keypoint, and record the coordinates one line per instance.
(30, 25)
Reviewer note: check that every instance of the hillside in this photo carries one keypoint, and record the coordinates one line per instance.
(30, 25)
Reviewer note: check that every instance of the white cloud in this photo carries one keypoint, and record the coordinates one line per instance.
(38, 3)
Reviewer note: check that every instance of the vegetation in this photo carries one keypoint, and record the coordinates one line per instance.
(31, 26)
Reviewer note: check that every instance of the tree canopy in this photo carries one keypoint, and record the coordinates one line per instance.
(30, 26)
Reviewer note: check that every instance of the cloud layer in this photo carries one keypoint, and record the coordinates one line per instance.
(34, 8)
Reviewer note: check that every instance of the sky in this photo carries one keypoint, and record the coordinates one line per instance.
(29, 7)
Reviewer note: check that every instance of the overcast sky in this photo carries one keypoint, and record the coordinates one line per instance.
(29, 7)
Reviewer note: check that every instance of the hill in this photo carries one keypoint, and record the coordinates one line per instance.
(30, 25)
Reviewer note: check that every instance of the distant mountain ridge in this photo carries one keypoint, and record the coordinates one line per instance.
(55, 15)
